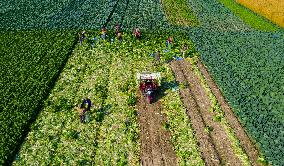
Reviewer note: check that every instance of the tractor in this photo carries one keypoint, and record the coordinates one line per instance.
(148, 84)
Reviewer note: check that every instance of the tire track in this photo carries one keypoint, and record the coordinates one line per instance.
(156, 148)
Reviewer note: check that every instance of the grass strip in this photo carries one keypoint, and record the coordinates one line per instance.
(178, 12)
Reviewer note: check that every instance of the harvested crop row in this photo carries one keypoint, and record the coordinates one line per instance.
(206, 145)
(57, 136)
(180, 126)
(156, 147)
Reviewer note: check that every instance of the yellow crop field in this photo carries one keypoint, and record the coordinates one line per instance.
(271, 9)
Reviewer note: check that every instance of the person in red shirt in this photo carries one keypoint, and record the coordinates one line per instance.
(137, 33)
(104, 31)
(169, 42)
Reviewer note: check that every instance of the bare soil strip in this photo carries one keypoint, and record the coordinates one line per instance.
(156, 148)
(220, 139)
(245, 141)
(209, 153)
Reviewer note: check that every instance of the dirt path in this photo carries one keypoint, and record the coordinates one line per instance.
(220, 140)
(247, 145)
(207, 148)
(156, 148)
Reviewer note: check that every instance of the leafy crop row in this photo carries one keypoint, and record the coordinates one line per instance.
(178, 12)
(214, 16)
(88, 14)
(52, 14)
(248, 67)
(30, 63)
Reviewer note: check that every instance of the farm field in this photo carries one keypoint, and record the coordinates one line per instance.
(30, 64)
(219, 103)
(271, 9)
(112, 128)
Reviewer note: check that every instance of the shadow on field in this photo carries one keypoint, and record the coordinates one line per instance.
(102, 112)
(161, 92)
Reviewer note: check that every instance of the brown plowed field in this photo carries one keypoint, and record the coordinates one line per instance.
(156, 148)
(199, 102)
(247, 145)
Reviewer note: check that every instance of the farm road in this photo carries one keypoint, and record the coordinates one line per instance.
(156, 148)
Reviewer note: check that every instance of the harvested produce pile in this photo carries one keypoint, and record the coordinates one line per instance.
(248, 67)
(30, 64)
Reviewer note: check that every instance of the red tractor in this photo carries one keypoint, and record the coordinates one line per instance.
(148, 84)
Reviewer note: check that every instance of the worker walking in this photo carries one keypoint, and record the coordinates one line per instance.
(157, 57)
(183, 50)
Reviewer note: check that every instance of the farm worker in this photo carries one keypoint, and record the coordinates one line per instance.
(137, 33)
(169, 42)
(85, 106)
(157, 56)
(183, 50)
(117, 29)
(104, 31)
(82, 37)
(119, 36)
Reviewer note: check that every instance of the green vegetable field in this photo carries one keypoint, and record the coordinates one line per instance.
(219, 100)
